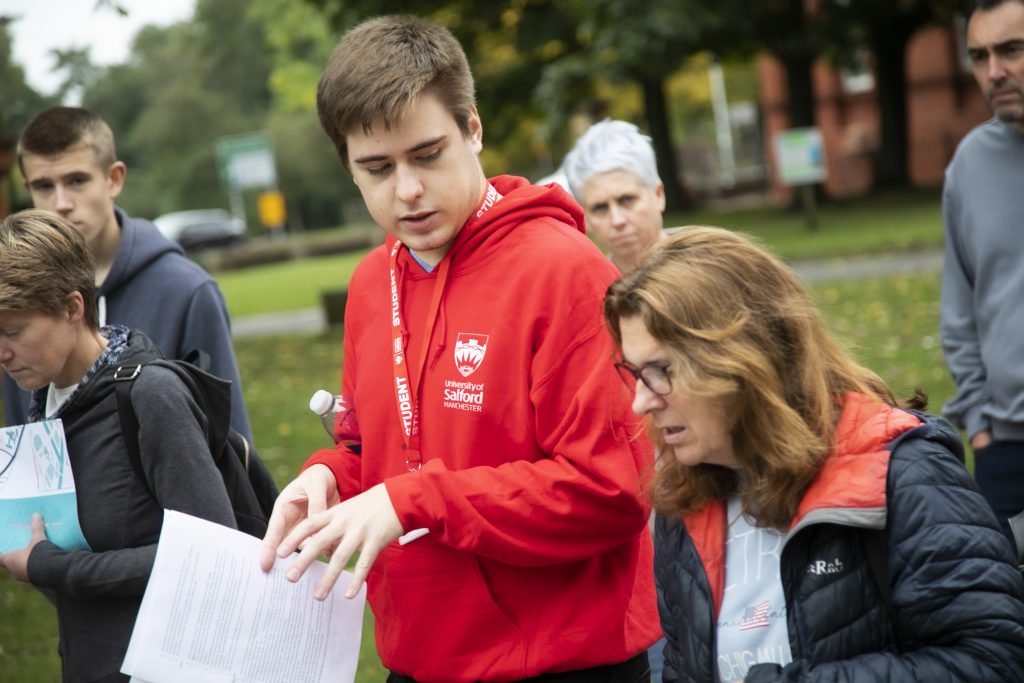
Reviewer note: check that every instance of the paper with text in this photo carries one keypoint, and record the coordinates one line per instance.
(35, 476)
(210, 615)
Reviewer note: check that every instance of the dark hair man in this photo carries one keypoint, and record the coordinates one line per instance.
(983, 275)
(476, 362)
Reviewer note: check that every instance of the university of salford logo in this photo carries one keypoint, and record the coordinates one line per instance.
(470, 349)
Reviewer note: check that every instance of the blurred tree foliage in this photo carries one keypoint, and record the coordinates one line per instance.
(884, 28)
(540, 62)
(18, 103)
(544, 69)
(183, 86)
(238, 66)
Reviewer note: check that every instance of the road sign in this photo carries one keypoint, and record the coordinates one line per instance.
(246, 161)
(800, 154)
(272, 210)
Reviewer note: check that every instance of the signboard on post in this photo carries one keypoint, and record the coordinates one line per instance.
(246, 161)
(800, 154)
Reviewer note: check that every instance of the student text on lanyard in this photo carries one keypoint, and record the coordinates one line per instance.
(405, 393)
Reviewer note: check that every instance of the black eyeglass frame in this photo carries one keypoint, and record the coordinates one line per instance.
(626, 369)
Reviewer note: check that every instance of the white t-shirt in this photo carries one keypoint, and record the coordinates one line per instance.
(56, 396)
(752, 622)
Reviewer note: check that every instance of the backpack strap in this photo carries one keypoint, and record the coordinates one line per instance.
(198, 358)
(123, 378)
(876, 551)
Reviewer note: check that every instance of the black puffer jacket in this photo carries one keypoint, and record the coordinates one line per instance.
(958, 594)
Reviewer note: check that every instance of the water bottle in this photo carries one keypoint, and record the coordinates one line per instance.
(329, 407)
(340, 422)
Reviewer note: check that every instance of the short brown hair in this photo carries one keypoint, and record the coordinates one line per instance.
(43, 259)
(60, 129)
(381, 66)
(740, 328)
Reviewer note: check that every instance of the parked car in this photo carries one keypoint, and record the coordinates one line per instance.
(201, 228)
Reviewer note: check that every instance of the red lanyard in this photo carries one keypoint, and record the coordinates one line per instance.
(405, 393)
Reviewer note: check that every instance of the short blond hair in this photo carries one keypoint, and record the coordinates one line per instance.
(379, 69)
(43, 259)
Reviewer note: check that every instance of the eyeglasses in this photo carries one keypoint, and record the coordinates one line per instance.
(654, 377)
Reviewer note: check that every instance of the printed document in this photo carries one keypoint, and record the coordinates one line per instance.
(210, 615)
(35, 476)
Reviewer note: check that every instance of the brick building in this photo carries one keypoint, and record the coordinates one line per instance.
(943, 104)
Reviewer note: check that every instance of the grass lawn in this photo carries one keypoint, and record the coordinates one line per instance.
(903, 220)
(865, 225)
(286, 286)
(891, 325)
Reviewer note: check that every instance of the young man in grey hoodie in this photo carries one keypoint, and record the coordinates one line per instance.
(68, 158)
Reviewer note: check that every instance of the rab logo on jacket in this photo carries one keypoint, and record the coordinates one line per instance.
(470, 349)
(820, 567)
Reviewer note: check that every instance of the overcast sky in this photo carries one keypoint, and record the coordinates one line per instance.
(42, 25)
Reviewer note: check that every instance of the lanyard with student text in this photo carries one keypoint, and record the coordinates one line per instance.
(405, 393)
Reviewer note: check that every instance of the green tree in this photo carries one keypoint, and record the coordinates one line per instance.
(616, 43)
(238, 66)
(183, 87)
(300, 40)
(315, 184)
(786, 29)
(19, 102)
(78, 69)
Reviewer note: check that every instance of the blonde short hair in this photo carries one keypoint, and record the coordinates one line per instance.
(43, 259)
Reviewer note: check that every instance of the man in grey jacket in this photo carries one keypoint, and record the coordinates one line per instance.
(68, 158)
(983, 276)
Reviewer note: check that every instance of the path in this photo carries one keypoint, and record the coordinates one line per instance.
(311, 320)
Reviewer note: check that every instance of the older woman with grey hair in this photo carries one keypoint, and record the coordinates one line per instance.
(613, 174)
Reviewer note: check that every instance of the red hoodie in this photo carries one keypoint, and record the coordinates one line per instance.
(538, 558)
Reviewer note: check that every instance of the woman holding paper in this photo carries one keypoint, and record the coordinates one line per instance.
(51, 344)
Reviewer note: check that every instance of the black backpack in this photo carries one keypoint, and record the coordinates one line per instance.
(250, 487)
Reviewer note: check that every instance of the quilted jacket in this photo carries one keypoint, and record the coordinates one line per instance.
(957, 592)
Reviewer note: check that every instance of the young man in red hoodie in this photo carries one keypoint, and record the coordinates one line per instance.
(478, 370)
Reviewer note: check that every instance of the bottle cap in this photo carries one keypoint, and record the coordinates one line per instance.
(321, 402)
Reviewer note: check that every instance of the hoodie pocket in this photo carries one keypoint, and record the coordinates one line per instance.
(436, 616)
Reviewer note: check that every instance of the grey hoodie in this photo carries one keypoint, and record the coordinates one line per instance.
(982, 313)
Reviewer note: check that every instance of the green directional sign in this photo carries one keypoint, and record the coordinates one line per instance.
(246, 161)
